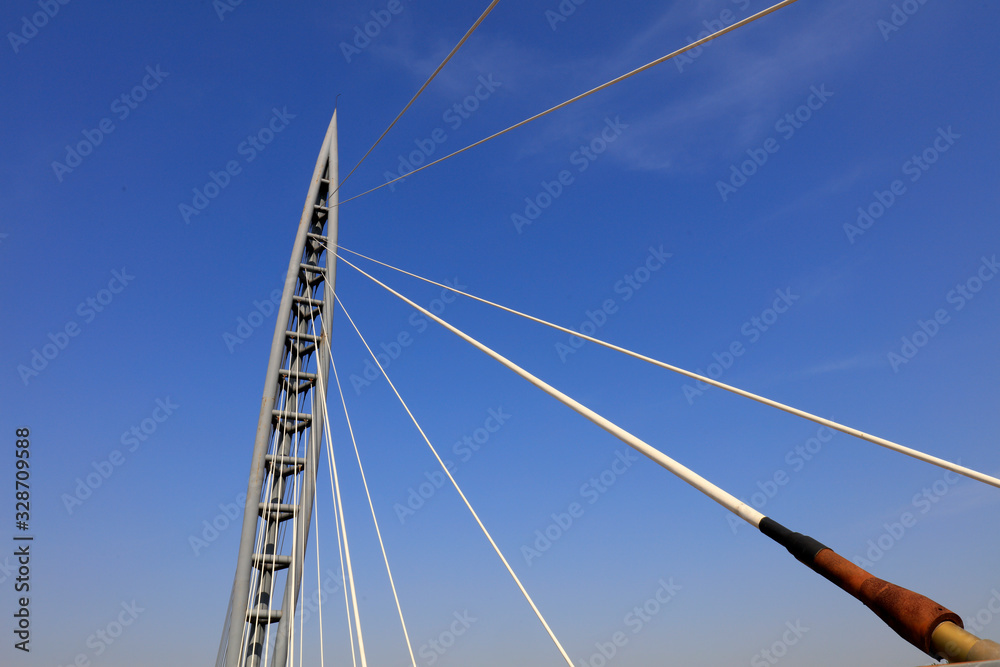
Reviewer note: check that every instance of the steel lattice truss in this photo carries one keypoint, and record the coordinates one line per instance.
(289, 437)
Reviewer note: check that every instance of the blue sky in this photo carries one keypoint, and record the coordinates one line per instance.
(837, 160)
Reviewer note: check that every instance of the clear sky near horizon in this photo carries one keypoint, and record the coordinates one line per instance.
(806, 208)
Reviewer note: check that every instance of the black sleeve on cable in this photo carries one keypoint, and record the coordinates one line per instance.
(803, 547)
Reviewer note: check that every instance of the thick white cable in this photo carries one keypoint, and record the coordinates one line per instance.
(364, 479)
(730, 502)
(692, 45)
(444, 62)
(447, 472)
(882, 442)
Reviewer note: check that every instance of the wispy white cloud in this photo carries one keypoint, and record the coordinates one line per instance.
(969, 496)
(955, 498)
(856, 362)
(806, 200)
(713, 108)
(481, 55)
(736, 103)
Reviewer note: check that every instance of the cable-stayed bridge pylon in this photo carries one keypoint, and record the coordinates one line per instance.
(289, 437)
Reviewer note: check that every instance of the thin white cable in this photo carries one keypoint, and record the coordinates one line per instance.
(422, 88)
(258, 541)
(298, 440)
(692, 45)
(340, 550)
(298, 488)
(343, 572)
(331, 465)
(343, 585)
(338, 503)
(256, 575)
(296, 538)
(724, 498)
(290, 576)
(323, 399)
(341, 531)
(881, 442)
(336, 520)
(254, 578)
(291, 398)
(447, 472)
(319, 572)
(301, 605)
(297, 597)
(319, 596)
(364, 479)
